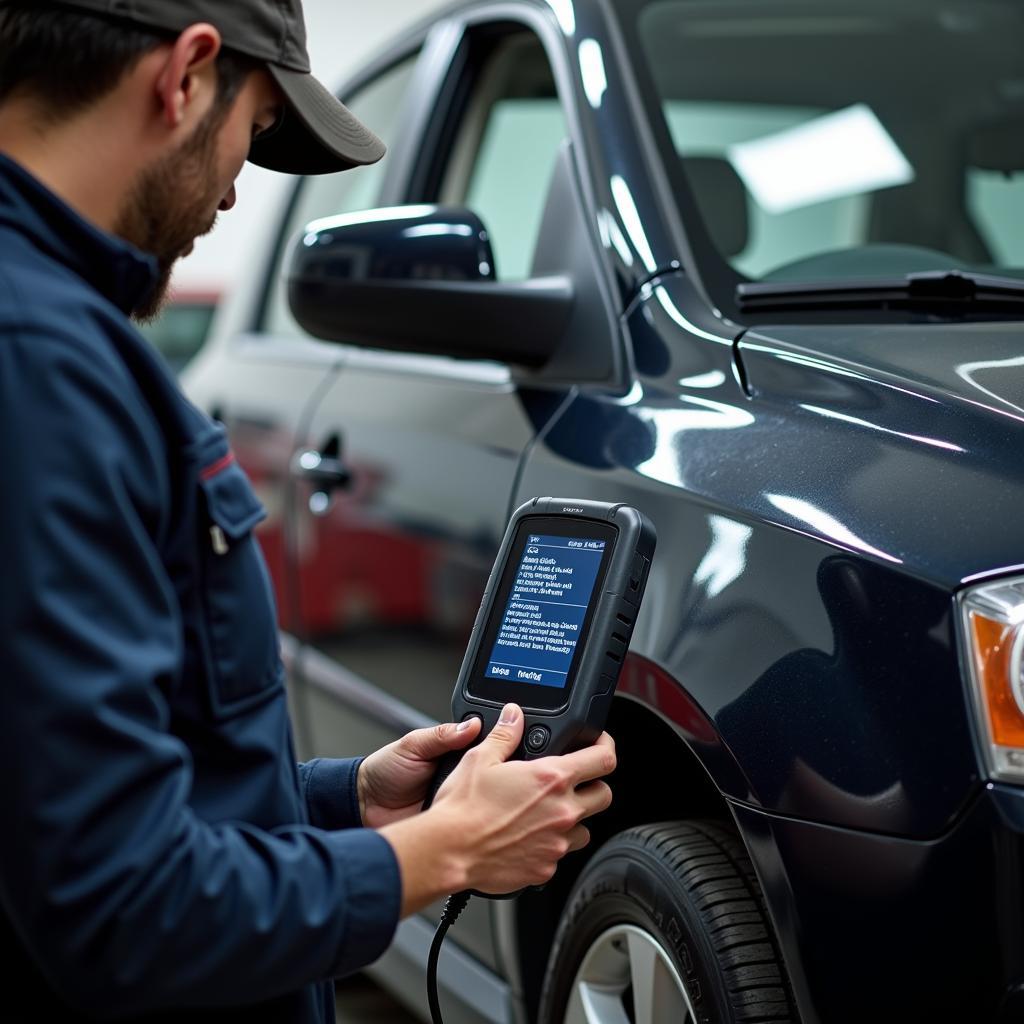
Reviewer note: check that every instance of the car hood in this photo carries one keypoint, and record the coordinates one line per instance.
(981, 365)
(908, 436)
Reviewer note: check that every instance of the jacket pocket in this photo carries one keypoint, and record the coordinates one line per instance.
(238, 605)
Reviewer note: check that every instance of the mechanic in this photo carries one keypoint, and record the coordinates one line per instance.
(163, 854)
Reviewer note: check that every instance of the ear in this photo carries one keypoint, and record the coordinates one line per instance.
(188, 75)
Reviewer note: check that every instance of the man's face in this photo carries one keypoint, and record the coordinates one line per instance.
(176, 199)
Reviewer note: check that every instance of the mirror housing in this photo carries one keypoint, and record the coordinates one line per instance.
(421, 279)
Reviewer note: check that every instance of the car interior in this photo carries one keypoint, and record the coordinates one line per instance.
(953, 107)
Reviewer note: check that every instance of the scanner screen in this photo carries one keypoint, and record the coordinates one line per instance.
(546, 608)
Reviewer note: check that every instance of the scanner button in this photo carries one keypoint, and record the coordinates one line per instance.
(537, 739)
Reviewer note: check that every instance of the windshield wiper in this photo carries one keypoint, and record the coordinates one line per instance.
(944, 292)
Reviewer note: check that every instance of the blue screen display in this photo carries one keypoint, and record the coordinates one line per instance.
(545, 610)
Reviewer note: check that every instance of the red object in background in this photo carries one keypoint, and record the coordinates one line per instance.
(351, 570)
(365, 573)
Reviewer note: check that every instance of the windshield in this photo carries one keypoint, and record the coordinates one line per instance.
(837, 140)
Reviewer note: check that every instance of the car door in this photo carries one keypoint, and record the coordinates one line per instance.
(393, 564)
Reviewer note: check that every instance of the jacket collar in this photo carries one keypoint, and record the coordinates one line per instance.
(115, 269)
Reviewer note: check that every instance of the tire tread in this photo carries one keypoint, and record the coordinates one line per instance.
(711, 862)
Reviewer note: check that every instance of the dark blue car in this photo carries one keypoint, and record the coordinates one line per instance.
(757, 268)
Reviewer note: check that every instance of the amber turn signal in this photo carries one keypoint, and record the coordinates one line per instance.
(993, 627)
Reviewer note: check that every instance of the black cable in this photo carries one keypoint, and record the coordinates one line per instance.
(453, 906)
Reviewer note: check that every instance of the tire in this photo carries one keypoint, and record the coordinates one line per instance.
(675, 909)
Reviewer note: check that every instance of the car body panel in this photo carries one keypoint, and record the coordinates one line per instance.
(752, 613)
(888, 928)
(926, 410)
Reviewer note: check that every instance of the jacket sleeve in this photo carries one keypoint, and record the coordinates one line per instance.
(330, 789)
(127, 900)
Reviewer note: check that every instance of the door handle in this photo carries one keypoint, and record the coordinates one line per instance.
(324, 472)
(317, 468)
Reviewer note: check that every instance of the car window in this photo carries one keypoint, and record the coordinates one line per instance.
(379, 105)
(773, 236)
(855, 156)
(996, 202)
(505, 149)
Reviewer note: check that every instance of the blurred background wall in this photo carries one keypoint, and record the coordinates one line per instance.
(342, 35)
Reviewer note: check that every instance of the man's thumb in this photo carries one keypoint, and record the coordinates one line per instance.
(503, 739)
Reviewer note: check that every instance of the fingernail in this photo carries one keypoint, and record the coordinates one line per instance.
(463, 726)
(509, 715)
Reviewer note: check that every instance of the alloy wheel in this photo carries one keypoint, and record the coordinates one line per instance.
(627, 977)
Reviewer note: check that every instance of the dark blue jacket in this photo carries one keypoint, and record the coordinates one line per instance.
(161, 850)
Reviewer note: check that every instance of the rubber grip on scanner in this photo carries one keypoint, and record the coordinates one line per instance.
(445, 766)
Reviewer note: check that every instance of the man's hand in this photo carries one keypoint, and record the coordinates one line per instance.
(392, 783)
(497, 825)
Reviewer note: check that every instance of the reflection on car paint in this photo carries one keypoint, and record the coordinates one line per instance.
(968, 370)
(825, 525)
(834, 415)
(726, 556)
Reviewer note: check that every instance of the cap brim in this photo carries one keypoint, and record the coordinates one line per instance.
(317, 135)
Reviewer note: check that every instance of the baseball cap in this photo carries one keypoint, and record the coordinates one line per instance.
(317, 134)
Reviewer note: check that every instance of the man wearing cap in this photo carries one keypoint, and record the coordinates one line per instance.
(163, 855)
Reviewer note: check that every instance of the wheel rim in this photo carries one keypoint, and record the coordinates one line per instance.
(626, 977)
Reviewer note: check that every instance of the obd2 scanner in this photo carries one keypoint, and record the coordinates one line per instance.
(551, 635)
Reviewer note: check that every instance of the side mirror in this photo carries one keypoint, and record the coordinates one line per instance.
(421, 279)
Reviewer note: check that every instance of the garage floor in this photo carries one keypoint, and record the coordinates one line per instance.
(360, 1000)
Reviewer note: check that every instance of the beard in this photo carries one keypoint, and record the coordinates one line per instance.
(172, 203)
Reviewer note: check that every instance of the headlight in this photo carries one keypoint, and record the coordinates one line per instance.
(993, 628)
